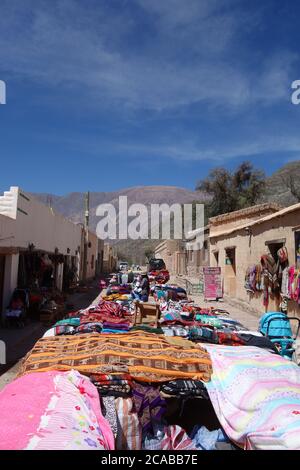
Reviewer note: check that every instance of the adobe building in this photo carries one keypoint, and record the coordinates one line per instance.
(174, 255)
(239, 239)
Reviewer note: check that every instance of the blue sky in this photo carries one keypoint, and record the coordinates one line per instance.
(107, 94)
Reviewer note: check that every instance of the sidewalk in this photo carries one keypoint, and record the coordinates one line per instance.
(19, 341)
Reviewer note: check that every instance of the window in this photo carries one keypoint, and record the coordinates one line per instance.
(230, 257)
(92, 261)
(274, 246)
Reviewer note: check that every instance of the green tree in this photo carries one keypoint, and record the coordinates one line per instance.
(149, 253)
(230, 191)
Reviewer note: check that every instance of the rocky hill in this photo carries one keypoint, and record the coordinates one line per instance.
(277, 185)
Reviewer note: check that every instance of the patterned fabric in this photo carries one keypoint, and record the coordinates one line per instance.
(209, 320)
(150, 406)
(171, 316)
(148, 329)
(230, 338)
(129, 435)
(169, 438)
(112, 385)
(109, 413)
(197, 333)
(123, 325)
(145, 356)
(96, 317)
(184, 388)
(53, 411)
(256, 396)
(175, 331)
(64, 330)
(89, 328)
(74, 321)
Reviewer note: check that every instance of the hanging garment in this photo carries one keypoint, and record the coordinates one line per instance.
(282, 254)
(285, 282)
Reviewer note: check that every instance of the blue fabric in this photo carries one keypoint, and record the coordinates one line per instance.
(207, 440)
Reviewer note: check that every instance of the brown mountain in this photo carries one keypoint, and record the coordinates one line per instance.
(72, 207)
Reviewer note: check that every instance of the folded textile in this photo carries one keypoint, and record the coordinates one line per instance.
(231, 338)
(175, 331)
(109, 413)
(53, 411)
(107, 379)
(112, 385)
(98, 317)
(208, 440)
(259, 341)
(149, 405)
(145, 356)
(184, 388)
(74, 321)
(95, 327)
(171, 316)
(209, 320)
(116, 296)
(129, 435)
(111, 330)
(64, 330)
(197, 333)
(148, 329)
(169, 438)
(256, 397)
(124, 325)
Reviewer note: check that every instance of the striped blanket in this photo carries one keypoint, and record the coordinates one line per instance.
(145, 356)
(256, 396)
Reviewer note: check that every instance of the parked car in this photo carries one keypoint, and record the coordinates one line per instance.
(156, 264)
(123, 266)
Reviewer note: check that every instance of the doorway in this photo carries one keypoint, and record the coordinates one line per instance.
(230, 271)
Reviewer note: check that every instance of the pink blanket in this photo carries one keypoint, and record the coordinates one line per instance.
(53, 411)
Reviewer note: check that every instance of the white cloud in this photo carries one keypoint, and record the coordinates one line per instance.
(190, 151)
(85, 46)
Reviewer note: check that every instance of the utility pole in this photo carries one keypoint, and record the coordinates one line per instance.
(86, 232)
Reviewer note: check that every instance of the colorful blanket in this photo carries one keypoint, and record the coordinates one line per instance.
(53, 411)
(145, 356)
(256, 396)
